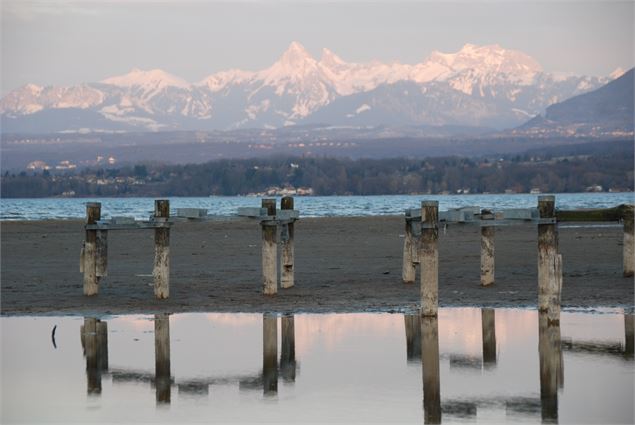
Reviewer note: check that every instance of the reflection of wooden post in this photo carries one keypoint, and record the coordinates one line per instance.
(286, 272)
(629, 342)
(269, 250)
(488, 324)
(551, 367)
(93, 214)
(409, 267)
(429, 258)
(547, 250)
(413, 336)
(162, 357)
(430, 366)
(287, 353)
(102, 340)
(269, 354)
(629, 242)
(487, 249)
(162, 250)
(94, 337)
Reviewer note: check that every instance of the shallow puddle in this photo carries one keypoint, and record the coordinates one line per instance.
(469, 365)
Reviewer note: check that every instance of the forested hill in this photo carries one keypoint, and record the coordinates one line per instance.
(600, 166)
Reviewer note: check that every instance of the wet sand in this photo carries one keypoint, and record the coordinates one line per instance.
(342, 264)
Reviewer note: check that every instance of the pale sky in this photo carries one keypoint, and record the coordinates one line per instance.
(69, 42)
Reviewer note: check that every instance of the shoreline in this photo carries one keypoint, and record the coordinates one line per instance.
(343, 265)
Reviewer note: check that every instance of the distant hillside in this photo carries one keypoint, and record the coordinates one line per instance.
(607, 110)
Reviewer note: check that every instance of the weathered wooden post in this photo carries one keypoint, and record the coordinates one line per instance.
(162, 373)
(101, 260)
(161, 270)
(413, 336)
(269, 250)
(410, 257)
(629, 242)
(487, 248)
(555, 290)
(287, 351)
(93, 214)
(430, 366)
(488, 326)
(269, 354)
(547, 249)
(550, 353)
(286, 267)
(429, 258)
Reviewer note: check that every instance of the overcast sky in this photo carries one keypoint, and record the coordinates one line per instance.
(62, 42)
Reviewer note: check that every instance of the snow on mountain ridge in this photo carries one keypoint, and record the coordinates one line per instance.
(296, 85)
(152, 79)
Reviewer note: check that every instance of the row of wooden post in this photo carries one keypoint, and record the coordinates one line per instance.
(423, 251)
(94, 256)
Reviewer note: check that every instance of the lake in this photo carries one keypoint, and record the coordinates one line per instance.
(310, 206)
(469, 365)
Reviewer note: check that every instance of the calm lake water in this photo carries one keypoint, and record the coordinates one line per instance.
(313, 206)
(471, 364)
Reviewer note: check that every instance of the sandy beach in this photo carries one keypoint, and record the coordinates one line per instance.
(342, 265)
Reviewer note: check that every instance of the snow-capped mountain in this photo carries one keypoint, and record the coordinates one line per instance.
(478, 85)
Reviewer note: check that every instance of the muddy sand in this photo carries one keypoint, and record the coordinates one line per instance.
(342, 264)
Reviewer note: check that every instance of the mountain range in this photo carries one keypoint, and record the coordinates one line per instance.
(478, 86)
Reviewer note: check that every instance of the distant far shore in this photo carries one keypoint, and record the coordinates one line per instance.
(343, 264)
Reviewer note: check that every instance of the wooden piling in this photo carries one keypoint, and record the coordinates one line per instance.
(287, 351)
(551, 367)
(162, 376)
(629, 242)
(93, 214)
(409, 268)
(429, 258)
(554, 290)
(101, 262)
(487, 249)
(269, 250)
(286, 267)
(161, 270)
(269, 354)
(547, 250)
(430, 367)
(488, 326)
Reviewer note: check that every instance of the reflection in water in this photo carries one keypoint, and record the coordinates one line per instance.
(268, 379)
(413, 337)
(488, 324)
(430, 366)
(269, 354)
(162, 382)
(629, 341)
(287, 354)
(438, 343)
(94, 337)
(551, 368)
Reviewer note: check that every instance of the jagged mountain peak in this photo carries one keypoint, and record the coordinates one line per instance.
(330, 59)
(487, 59)
(617, 73)
(154, 78)
(296, 55)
